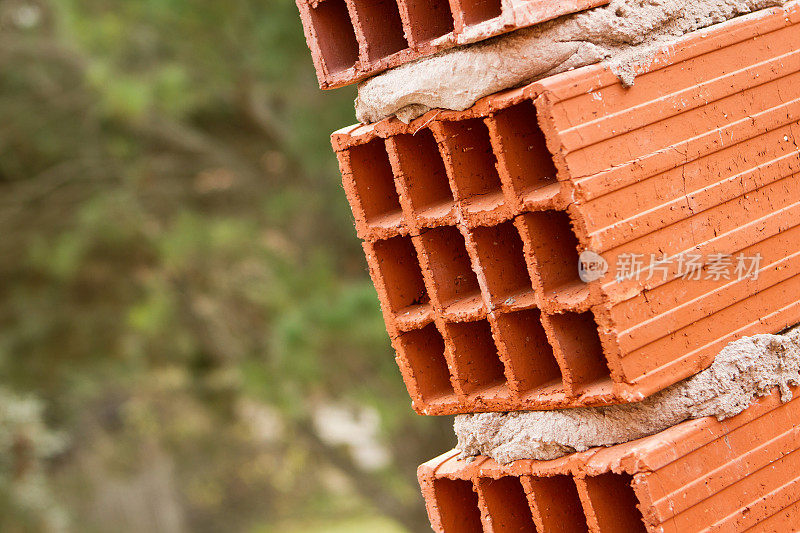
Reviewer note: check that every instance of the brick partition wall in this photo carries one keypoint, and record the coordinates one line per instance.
(742, 474)
(354, 39)
(472, 223)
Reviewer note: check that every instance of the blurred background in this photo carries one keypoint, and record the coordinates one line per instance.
(189, 340)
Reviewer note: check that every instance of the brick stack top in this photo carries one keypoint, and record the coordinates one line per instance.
(354, 39)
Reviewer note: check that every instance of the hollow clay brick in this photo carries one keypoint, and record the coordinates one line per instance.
(353, 39)
(703, 475)
(473, 223)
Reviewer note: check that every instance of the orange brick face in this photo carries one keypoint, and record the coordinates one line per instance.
(701, 475)
(354, 39)
(473, 222)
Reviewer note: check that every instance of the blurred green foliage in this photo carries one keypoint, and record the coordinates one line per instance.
(182, 291)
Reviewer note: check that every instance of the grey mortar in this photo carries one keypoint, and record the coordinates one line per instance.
(626, 33)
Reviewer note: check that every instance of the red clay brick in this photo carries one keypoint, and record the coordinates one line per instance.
(701, 475)
(473, 222)
(353, 39)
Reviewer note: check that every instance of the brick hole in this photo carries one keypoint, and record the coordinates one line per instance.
(502, 259)
(430, 19)
(579, 342)
(374, 181)
(450, 266)
(526, 157)
(555, 249)
(527, 347)
(507, 504)
(558, 503)
(423, 350)
(473, 163)
(402, 275)
(424, 173)
(335, 35)
(383, 29)
(457, 503)
(477, 11)
(615, 503)
(478, 365)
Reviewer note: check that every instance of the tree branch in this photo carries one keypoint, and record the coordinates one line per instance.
(255, 110)
(413, 518)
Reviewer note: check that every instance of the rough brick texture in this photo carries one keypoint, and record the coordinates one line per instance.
(473, 222)
(353, 39)
(738, 475)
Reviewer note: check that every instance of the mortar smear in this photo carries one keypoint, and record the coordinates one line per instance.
(743, 371)
(626, 32)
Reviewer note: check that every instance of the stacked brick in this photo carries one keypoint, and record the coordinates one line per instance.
(474, 223)
(472, 228)
(353, 39)
(742, 474)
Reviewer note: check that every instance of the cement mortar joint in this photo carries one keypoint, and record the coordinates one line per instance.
(627, 33)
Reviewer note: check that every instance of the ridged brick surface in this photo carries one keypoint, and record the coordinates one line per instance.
(472, 223)
(354, 39)
(742, 474)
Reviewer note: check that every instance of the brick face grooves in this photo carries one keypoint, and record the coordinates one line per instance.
(700, 475)
(473, 222)
(353, 39)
